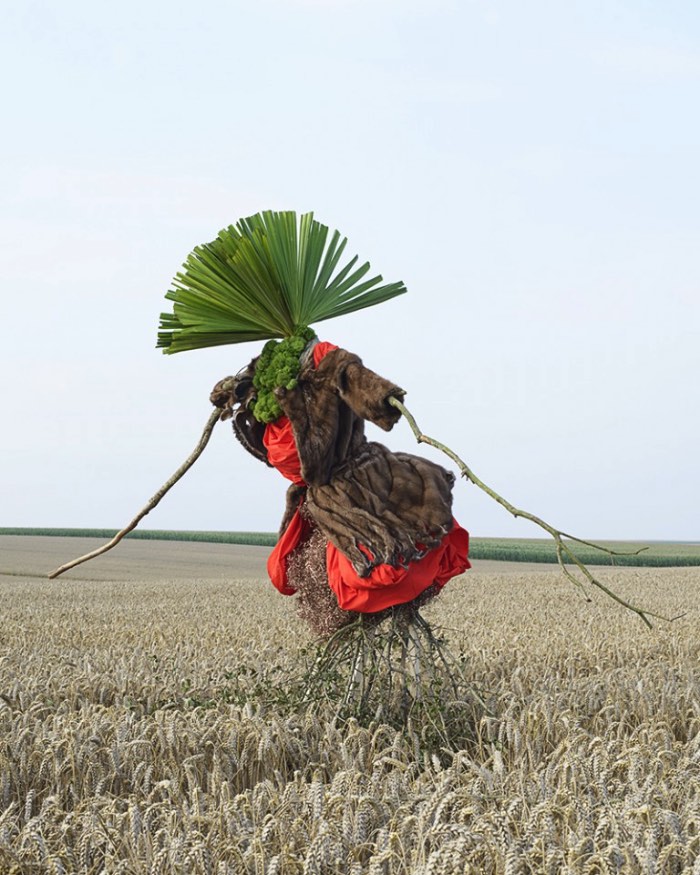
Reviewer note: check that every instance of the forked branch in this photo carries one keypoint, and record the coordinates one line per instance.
(564, 552)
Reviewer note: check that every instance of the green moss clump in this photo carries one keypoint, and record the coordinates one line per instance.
(278, 367)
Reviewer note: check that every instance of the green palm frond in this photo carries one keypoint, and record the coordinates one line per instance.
(265, 277)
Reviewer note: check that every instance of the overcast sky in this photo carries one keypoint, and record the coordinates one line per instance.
(529, 170)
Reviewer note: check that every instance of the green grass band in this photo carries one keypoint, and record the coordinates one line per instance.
(659, 554)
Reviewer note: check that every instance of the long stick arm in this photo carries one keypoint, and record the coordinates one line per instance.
(564, 552)
(166, 487)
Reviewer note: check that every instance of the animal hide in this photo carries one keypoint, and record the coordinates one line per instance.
(376, 506)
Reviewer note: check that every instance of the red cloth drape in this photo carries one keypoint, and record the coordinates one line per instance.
(385, 586)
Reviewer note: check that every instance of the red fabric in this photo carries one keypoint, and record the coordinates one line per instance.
(321, 349)
(282, 449)
(296, 533)
(385, 586)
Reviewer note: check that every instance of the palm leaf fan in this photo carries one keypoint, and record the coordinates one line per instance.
(265, 277)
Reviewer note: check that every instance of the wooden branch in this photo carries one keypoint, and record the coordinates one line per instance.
(166, 487)
(563, 550)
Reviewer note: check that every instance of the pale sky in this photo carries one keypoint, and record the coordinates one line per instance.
(529, 170)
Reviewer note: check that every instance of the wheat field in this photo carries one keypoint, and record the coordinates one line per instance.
(137, 734)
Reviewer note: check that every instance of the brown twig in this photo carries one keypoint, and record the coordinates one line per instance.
(563, 550)
(183, 469)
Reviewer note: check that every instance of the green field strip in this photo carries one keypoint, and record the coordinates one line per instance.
(257, 539)
(656, 554)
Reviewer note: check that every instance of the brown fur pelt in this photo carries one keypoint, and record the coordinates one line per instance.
(397, 505)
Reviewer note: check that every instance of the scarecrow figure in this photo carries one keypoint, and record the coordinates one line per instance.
(364, 529)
